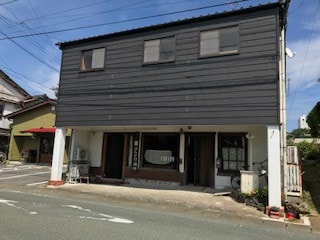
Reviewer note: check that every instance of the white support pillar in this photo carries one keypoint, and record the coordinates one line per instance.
(57, 158)
(250, 160)
(274, 167)
(181, 152)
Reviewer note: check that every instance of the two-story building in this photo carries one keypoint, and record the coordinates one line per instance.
(11, 96)
(184, 102)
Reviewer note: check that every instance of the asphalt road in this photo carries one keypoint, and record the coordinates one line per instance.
(36, 216)
(24, 175)
(34, 212)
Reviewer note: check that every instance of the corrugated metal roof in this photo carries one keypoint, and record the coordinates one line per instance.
(177, 22)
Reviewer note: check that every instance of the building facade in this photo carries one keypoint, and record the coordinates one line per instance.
(185, 102)
(11, 96)
(32, 133)
(303, 122)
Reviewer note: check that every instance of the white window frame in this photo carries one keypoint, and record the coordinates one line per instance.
(202, 47)
(156, 57)
(97, 59)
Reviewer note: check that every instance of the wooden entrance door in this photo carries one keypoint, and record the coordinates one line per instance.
(46, 149)
(200, 159)
(114, 155)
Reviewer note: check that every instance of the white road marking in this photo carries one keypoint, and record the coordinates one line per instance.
(25, 175)
(37, 183)
(10, 169)
(120, 220)
(104, 217)
(77, 207)
(8, 202)
(21, 168)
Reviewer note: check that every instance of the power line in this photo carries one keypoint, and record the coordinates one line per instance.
(68, 10)
(29, 52)
(305, 57)
(297, 7)
(32, 41)
(117, 22)
(120, 9)
(2, 4)
(93, 15)
(20, 76)
(48, 38)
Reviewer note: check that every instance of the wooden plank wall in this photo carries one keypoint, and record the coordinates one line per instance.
(230, 89)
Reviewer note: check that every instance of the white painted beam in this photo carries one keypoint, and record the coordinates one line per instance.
(181, 152)
(274, 167)
(58, 155)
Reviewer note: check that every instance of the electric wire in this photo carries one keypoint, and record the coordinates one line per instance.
(22, 77)
(32, 41)
(6, 3)
(304, 58)
(117, 22)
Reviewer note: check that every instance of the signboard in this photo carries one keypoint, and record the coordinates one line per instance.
(135, 160)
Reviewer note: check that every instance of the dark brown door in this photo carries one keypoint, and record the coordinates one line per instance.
(114, 155)
(200, 159)
(46, 149)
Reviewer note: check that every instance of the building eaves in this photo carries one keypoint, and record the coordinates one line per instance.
(12, 83)
(24, 110)
(282, 3)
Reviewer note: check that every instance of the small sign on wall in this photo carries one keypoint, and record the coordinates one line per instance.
(135, 160)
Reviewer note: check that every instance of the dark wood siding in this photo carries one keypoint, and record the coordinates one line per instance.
(230, 89)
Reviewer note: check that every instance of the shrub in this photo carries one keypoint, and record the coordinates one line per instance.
(310, 151)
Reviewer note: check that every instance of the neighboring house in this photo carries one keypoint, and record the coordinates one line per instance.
(33, 131)
(302, 123)
(185, 102)
(11, 95)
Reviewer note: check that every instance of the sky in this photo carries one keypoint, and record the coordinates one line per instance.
(30, 30)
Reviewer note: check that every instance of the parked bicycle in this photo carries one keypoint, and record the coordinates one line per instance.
(236, 178)
(3, 158)
(262, 169)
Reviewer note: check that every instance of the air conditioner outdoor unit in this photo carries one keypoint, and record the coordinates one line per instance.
(78, 169)
(79, 154)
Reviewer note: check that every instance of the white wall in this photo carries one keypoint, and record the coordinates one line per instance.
(95, 149)
(80, 139)
(259, 148)
(92, 141)
(7, 109)
(9, 93)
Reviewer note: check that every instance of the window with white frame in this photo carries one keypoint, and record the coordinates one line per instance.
(92, 59)
(159, 50)
(232, 152)
(219, 41)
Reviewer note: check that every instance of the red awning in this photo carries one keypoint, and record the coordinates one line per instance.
(39, 130)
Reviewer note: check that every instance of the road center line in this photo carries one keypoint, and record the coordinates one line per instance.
(25, 175)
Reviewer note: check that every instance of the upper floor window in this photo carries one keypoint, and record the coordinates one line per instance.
(219, 41)
(92, 59)
(159, 50)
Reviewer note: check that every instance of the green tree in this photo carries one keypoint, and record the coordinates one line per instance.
(300, 133)
(308, 150)
(313, 120)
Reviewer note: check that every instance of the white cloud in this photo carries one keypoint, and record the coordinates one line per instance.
(303, 68)
(303, 71)
(43, 81)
